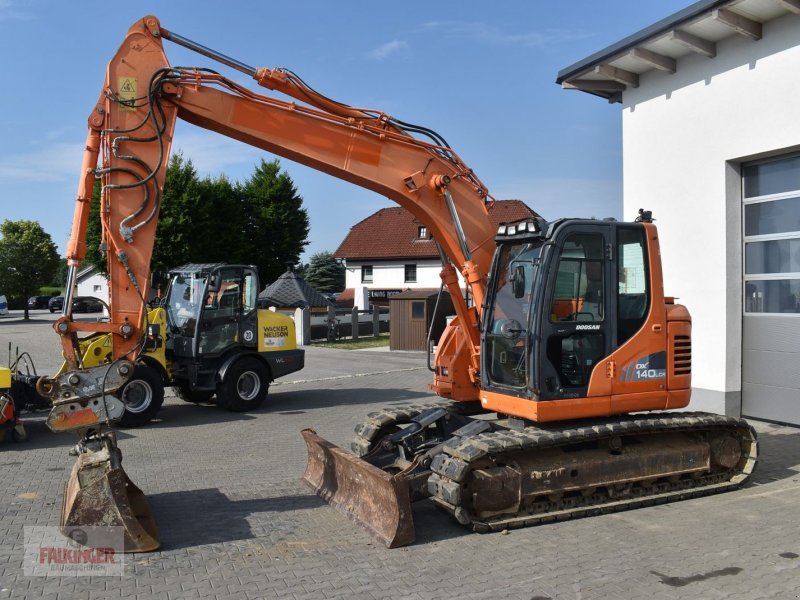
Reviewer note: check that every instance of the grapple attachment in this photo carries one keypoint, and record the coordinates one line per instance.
(100, 494)
(376, 500)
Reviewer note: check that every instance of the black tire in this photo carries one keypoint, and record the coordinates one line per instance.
(185, 393)
(143, 396)
(245, 385)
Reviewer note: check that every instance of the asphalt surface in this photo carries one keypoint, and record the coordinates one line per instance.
(237, 522)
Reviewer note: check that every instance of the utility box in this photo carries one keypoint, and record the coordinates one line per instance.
(411, 316)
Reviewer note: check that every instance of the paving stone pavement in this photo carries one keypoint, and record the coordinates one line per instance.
(237, 522)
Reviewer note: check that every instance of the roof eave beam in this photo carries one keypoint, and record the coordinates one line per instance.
(694, 43)
(657, 61)
(593, 85)
(738, 23)
(616, 74)
(792, 6)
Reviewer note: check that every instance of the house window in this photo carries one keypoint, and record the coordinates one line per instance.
(771, 192)
(418, 310)
(366, 273)
(97, 288)
(411, 274)
(422, 232)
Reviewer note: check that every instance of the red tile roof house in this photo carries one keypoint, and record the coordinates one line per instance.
(391, 251)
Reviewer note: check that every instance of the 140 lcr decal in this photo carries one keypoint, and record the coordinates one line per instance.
(646, 368)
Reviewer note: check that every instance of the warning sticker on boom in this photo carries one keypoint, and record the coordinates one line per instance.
(127, 93)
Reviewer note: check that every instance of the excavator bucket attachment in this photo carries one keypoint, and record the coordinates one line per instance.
(100, 494)
(374, 499)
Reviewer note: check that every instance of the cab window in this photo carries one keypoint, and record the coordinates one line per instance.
(578, 294)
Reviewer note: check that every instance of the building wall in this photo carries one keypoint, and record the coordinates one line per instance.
(684, 138)
(95, 285)
(386, 275)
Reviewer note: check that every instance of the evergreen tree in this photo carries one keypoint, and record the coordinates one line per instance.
(260, 222)
(324, 273)
(275, 224)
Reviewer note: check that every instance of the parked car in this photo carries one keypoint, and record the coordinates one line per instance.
(86, 304)
(3, 305)
(38, 301)
(56, 303)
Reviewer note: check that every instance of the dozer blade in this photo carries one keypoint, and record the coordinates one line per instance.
(374, 499)
(100, 494)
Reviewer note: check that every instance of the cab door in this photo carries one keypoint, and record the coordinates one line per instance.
(576, 324)
(231, 297)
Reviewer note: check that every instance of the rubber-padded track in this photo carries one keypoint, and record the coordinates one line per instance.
(452, 468)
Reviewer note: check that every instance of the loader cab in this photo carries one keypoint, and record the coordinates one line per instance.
(563, 297)
(208, 305)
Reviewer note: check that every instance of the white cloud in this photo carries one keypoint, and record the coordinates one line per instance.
(387, 49)
(9, 12)
(212, 154)
(53, 162)
(490, 35)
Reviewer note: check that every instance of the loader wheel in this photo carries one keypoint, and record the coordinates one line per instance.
(143, 396)
(245, 385)
(187, 394)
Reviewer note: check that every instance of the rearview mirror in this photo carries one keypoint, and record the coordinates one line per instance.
(511, 329)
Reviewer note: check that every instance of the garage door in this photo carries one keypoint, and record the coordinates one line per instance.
(771, 335)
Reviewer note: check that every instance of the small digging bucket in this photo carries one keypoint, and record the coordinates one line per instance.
(374, 499)
(100, 494)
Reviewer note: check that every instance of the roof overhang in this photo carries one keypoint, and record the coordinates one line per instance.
(694, 30)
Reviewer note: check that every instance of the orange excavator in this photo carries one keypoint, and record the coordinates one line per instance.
(559, 352)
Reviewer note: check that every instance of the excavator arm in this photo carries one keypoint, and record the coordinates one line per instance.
(128, 145)
(130, 134)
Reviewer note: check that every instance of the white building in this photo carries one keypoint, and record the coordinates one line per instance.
(711, 144)
(391, 251)
(90, 282)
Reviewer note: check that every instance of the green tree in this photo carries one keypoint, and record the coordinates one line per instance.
(28, 259)
(94, 256)
(324, 273)
(176, 227)
(275, 224)
(261, 221)
(178, 235)
(59, 279)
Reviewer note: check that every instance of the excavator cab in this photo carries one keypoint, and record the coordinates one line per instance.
(569, 304)
(550, 304)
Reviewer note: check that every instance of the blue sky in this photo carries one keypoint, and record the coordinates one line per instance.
(479, 73)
